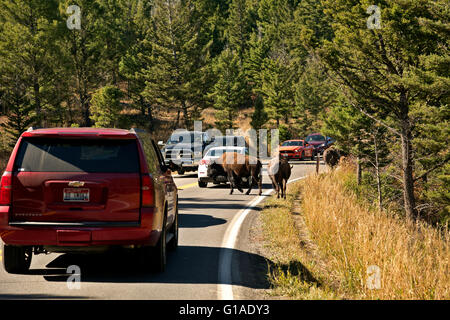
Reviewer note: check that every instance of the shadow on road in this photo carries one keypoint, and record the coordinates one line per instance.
(253, 192)
(12, 296)
(186, 175)
(199, 221)
(210, 200)
(217, 206)
(187, 265)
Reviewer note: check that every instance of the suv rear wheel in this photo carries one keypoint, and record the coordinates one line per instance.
(202, 184)
(154, 258)
(173, 243)
(17, 259)
(159, 252)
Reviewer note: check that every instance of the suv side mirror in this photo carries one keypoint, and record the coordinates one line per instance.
(160, 143)
(165, 169)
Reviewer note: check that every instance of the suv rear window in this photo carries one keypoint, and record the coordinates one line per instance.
(64, 155)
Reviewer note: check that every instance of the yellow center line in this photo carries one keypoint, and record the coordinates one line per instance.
(190, 185)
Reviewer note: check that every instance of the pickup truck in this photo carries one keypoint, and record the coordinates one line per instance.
(184, 149)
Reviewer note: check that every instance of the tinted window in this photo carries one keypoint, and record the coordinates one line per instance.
(315, 138)
(153, 162)
(63, 155)
(292, 143)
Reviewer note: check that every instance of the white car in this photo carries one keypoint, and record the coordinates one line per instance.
(210, 156)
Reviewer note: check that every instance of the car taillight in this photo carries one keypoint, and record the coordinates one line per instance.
(5, 189)
(148, 199)
(204, 162)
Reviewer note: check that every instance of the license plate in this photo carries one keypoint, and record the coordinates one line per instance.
(76, 195)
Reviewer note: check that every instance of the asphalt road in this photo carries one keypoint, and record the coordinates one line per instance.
(192, 271)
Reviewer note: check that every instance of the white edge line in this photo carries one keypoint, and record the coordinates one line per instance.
(225, 288)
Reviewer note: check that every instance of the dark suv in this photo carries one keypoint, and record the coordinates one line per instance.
(87, 189)
(319, 142)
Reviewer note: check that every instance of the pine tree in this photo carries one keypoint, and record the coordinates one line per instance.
(82, 50)
(137, 60)
(178, 72)
(25, 50)
(21, 115)
(239, 27)
(314, 94)
(230, 91)
(106, 107)
(277, 90)
(259, 117)
(378, 69)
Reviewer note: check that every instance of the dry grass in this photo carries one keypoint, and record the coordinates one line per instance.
(413, 259)
(242, 121)
(293, 272)
(322, 248)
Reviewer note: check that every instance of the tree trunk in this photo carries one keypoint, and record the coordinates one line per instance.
(358, 171)
(407, 168)
(317, 163)
(377, 168)
(177, 122)
(37, 101)
(69, 109)
(86, 114)
(150, 117)
(85, 108)
(230, 118)
(150, 113)
(185, 114)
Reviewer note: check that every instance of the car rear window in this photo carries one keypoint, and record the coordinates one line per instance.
(64, 155)
(315, 138)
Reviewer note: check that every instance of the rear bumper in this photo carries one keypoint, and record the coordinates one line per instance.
(202, 172)
(81, 234)
(218, 179)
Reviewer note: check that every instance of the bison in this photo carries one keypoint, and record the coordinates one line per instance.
(279, 172)
(238, 166)
(331, 157)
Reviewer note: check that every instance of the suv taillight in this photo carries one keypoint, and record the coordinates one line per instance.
(5, 189)
(204, 162)
(148, 199)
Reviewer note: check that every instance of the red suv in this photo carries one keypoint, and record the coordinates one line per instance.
(87, 189)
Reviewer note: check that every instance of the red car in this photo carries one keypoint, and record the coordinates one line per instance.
(296, 150)
(87, 189)
(319, 142)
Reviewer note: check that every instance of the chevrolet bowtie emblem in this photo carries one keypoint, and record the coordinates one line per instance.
(76, 184)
